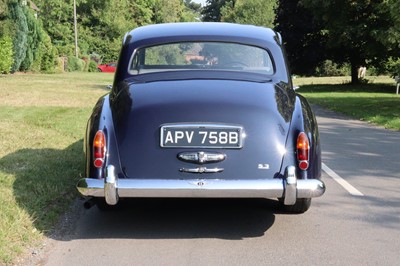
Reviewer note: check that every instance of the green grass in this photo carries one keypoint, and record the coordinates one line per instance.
(42, 122)
(375, 102)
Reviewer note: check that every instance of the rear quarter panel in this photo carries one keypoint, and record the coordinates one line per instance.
(303, 120)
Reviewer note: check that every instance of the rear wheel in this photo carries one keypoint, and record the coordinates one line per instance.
(301, 206)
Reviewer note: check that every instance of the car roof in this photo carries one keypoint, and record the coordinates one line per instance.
(201, 31)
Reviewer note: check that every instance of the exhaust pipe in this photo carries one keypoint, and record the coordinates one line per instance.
(89, 203)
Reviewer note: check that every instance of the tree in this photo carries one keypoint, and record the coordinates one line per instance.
(57, 18)
(34, 38)
(393, 33)
(168, 11)
(20, 34)
(194, 7)
(354, 34)
(192, 11)
(255, 12)
(142, 11)
(303, 36)
(102, 24)
(212, 10)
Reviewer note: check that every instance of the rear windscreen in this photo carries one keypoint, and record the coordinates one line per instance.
(201, 56)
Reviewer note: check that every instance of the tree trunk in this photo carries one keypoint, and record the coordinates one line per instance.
(354, 73)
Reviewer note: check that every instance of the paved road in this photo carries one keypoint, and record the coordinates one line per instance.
(339, 229)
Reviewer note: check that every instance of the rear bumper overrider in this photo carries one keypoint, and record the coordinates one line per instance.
(289, 188)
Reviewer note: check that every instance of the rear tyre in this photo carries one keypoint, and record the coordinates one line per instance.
(301, 206)
(103, 206)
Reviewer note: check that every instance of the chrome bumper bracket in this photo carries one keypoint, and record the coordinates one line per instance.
(290, 186)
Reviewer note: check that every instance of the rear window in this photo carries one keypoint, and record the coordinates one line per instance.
(201, 56)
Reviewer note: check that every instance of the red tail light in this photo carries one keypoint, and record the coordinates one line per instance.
(99, 149)
(303, 147)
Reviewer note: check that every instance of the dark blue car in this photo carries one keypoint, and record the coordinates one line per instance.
(202, 110)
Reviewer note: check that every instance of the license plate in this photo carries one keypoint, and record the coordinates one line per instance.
(201, 136)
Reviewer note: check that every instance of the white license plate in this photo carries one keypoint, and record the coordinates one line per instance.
(201, 136)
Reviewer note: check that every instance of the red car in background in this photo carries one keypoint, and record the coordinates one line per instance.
(110, 67)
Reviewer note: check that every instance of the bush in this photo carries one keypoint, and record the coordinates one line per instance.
(75, 64)
(60, 64)
(92, 66)
(95, 57)
(46, 55)
(393, 66)
(6, 54)
(331, 69)
(86, 61)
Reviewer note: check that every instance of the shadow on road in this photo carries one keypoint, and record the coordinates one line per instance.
(178, 219)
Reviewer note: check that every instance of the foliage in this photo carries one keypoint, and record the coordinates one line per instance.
(75, 64)
(20, 34)
(6, 54)
(302, 36)
(392, 35)
(3, 7)
(353, 35)
(192, 11)
(48, 55)
(96, 58)
(30, 42)
(34, 38)
(213, 8)
(255, 12)
(101, 29)
(168, 11)
(393, 66)
(56, 16)
(142, 13)
(92, 66)
(61, 64)
(331, 69)
(101, 26)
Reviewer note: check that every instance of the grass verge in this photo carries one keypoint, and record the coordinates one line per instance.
(374, 102)
(42, 122)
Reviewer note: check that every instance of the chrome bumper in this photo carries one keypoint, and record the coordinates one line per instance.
(111, 188)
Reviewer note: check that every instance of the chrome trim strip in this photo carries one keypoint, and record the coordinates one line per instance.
(201, 157)
(201, 170)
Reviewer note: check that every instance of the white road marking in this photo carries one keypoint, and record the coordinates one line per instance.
(346, 185)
